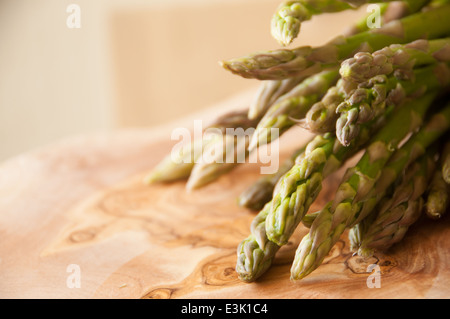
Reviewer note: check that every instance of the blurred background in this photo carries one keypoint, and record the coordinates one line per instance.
(132, 63)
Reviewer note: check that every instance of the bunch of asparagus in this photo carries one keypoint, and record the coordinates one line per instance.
(381, 91)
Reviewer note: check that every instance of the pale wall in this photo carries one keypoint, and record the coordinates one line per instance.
(132, 63)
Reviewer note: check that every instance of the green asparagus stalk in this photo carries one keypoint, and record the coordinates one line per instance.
(256, 252)
(226, 151)
(412, 4)
(396, 58)
(219, 158)
(355, 235)
(358, 231)
(179, 164)
(301, 185)
(385, 8)
(322, 116)
(283, 63)
(272, 89)
(397, 214)
(307, 173)
(446, 163)
(260, 192)
(309, 218)
(233, 120)
(266, 255)
(286, 22)
(407, 213)
(289, 15)
(389, 11)
(437, 198)
(269, 92)
(291, 203)
(363, 185)
(371, 98)
(292, 107)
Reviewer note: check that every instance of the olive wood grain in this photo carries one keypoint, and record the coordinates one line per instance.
(82, 202)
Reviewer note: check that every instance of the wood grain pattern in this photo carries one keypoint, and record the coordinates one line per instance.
(82, 202)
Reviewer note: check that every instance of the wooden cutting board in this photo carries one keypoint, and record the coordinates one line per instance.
(76, 221)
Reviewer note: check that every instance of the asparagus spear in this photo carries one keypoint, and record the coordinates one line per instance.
(256, 252)
(361, 25)
(219, 158)
(360, 230)
(260, 192)
(289, 15)
(409, 211)
(322, 116)
(357, 232)
(309, 170)
(389, 11)
(258, 245)
(398, 213)
(355, 235)
(292, 106)
(300, 186)
(283, 63)
(233, 120)
(286, 22)
(362, 186)
(179, 164)
(371, 98)
(279, 116)
(308, 219)
(446, 163)
(437, 199)
(290, 204)
(269, 92)
(395, 58)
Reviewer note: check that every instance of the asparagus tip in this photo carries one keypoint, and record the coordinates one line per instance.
(224, 64)
(151, 178)
(192, 184)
